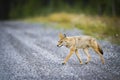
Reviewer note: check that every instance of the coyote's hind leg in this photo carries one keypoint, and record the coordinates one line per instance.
(87, 54)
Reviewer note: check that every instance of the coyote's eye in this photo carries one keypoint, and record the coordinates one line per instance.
(60, 41)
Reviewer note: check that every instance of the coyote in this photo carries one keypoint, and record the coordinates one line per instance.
(78, 42)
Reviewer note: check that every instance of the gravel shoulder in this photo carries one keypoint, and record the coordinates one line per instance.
(29, 52)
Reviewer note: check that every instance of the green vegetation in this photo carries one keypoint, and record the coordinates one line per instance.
(99, 27)
(99, 18)
(28, 8)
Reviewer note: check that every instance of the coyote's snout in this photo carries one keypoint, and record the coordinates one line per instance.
(80, 42)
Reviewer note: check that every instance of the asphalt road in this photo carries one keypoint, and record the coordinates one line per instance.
(29, 52)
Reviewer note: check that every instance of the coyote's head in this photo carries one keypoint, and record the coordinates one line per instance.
(62, 40)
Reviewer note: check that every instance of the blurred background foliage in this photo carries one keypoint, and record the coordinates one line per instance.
(25, 8)
(99, 18)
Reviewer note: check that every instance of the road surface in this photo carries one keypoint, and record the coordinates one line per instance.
(29, 52)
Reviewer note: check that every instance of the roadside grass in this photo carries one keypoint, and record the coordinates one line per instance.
(103, 27)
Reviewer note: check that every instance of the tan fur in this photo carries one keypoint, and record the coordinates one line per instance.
(80, 42)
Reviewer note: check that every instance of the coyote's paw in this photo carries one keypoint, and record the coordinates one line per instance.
(86, 62)
(81, 62)
(103, 62)
(63, 63)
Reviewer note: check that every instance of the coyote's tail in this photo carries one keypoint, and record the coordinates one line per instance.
(100, 49)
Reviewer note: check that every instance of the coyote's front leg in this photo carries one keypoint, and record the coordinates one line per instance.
(72, 50)
(78, 56)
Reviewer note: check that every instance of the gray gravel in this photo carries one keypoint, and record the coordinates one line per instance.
(29, 52)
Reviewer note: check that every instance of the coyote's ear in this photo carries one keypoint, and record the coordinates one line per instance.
(64, 35)
(61, 36)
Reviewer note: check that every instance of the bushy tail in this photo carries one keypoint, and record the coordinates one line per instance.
(100, 50)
